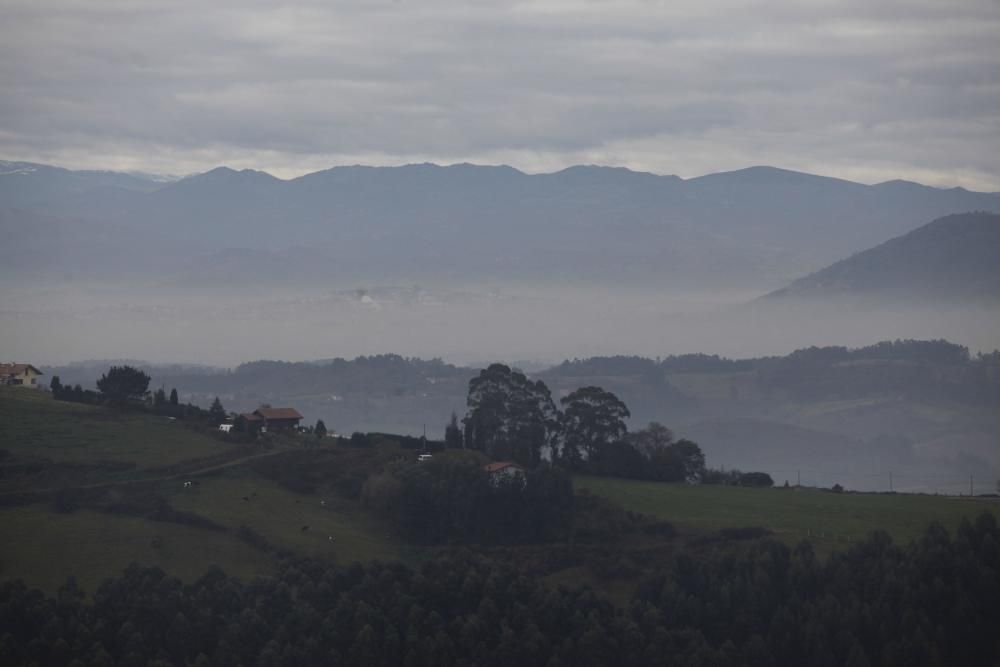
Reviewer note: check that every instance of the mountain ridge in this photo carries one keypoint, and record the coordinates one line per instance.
(756, 170)
(759, 226)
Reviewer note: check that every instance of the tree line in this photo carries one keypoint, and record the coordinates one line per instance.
(513, 418)
(127, 387)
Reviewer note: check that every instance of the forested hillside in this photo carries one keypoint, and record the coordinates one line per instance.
(877, 603)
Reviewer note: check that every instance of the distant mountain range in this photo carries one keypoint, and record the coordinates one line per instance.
(761, 226)
(956, 257)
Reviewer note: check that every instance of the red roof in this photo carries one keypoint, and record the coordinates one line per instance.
(497, 466)
(278, 413)
(17, 369)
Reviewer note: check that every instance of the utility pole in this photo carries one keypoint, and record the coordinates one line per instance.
(970, 485)
(890, 482)
(798, 478)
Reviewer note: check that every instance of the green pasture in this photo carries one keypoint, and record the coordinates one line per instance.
(828, 519)
(301, 523)
(33, 424)
(43, 548)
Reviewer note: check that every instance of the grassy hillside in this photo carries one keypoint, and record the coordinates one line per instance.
(242, 514)
(127, 507)
(32, 424)
(43, 548)
(830, 520)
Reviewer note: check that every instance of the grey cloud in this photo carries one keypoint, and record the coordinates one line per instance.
(911, 86)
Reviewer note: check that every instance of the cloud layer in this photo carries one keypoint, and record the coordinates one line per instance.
(868, 91)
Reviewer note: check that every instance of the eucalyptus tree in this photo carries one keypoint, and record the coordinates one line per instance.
(510, 416)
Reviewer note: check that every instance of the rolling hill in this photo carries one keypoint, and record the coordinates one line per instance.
(115, 503)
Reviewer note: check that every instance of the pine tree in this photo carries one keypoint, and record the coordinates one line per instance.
(453, 434)
(320, 429)
(216, 413)
(173, 396)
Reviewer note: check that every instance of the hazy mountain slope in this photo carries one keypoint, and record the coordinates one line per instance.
(37, 246)
(464, 222)
(817, 217)
(24, 184)
(955, 257)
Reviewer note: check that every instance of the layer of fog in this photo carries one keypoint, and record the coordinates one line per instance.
(71, 322)
(534, 327)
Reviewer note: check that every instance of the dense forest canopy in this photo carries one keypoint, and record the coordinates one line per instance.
(929, 603)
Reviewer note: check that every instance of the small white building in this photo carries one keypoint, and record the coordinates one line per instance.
(226, 428)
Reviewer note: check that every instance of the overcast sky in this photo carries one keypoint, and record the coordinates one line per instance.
(858, 89)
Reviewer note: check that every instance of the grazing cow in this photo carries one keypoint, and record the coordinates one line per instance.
(246, 499)
(305, 528)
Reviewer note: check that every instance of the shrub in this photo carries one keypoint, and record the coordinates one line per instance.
(253, 538)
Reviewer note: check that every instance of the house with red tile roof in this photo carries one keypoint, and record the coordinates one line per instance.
(500, 470)
(273, 419)
(19, 375)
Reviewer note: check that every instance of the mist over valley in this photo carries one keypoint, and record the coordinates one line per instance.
(551, 333)
(472, 265)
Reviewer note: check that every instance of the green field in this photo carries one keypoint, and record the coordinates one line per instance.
(830, 520)
(279, 515)
(44, 547)
(32, 424)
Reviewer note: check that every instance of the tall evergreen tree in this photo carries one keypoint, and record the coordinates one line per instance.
(173, 396)
(453, 433)
(216, 413)
(320, 429)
